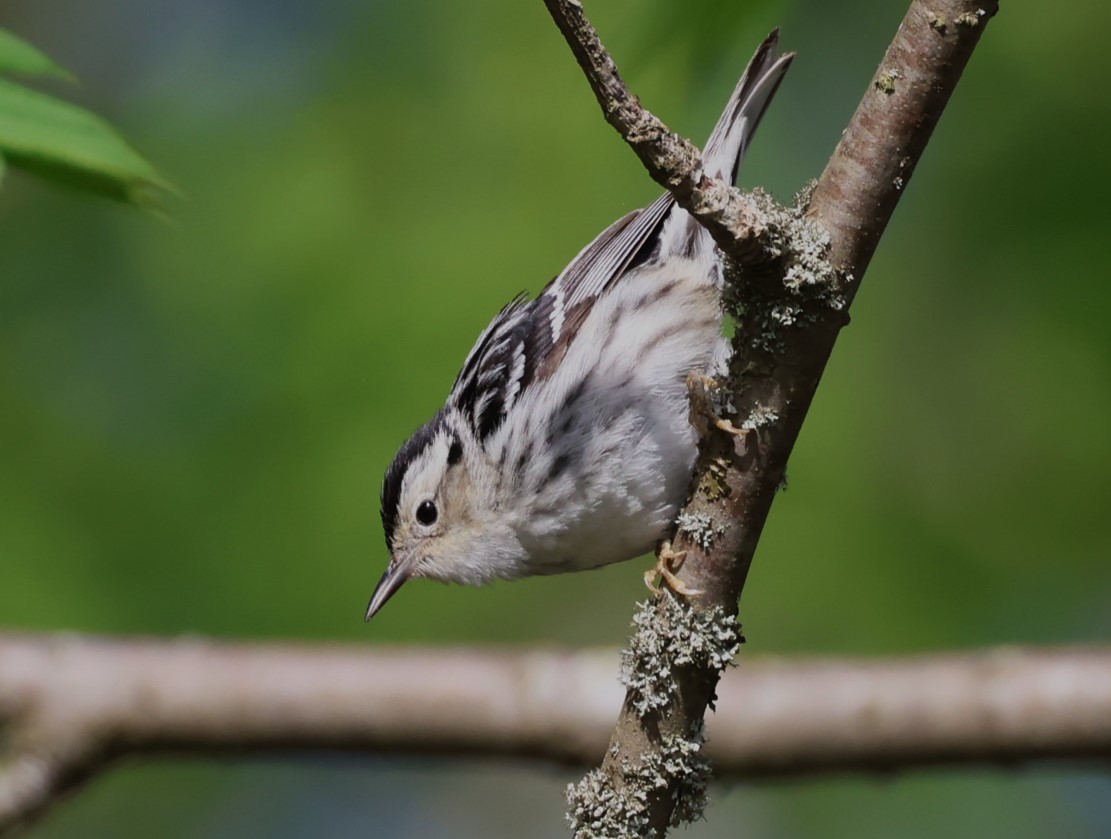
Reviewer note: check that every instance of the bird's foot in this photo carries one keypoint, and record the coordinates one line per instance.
(668, 562)
(728, 427)
(702, 389)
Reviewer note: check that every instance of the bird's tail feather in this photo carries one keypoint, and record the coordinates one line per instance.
(681, 235)
(724, 151)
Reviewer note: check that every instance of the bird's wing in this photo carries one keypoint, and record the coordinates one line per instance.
(526, 340)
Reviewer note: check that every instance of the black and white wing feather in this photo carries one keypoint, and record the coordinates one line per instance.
(526, 341)
(495, 369)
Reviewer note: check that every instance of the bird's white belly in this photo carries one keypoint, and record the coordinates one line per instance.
(601, 457)
(618, 501)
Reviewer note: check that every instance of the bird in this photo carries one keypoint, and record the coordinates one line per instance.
(565, 442)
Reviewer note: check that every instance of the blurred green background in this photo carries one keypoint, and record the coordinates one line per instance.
(196, 416)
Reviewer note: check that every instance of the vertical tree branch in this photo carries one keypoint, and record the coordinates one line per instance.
(789, 312)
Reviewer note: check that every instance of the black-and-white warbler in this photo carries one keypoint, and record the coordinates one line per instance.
(565, 443)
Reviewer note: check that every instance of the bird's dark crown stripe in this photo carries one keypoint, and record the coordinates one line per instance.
(395, 476)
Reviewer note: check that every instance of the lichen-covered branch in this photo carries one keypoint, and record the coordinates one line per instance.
(790, 302)
(70, 705)
(733, 219)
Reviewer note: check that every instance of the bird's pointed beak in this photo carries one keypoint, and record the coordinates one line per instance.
(396, 574)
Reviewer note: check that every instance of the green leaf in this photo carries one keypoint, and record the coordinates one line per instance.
(17, 56)
(67, 144)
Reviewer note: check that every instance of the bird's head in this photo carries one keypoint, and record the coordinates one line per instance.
(439, 511)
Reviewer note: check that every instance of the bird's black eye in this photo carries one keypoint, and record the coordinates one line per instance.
(426, 513)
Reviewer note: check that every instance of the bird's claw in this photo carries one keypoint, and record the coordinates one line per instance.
(701, 389)
(665, 570)
(728, 427)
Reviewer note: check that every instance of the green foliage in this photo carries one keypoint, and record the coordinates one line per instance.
(21, 58)
(63, 143)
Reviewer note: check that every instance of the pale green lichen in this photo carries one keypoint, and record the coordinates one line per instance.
(682, 762)
(699, 528)
(885, 81)
(760, 417)
(599, 809)
(669, 636)
(615, 802)
(785, 314)
(939, 23)
(803, 196)
(595, 810)
(971, 18)
(809, 266)
(713, 483)
(802, 248)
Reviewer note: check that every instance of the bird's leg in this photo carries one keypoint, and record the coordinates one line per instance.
(667, 563)
(703, 413)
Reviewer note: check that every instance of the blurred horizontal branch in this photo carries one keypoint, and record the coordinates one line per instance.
(70, 705)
